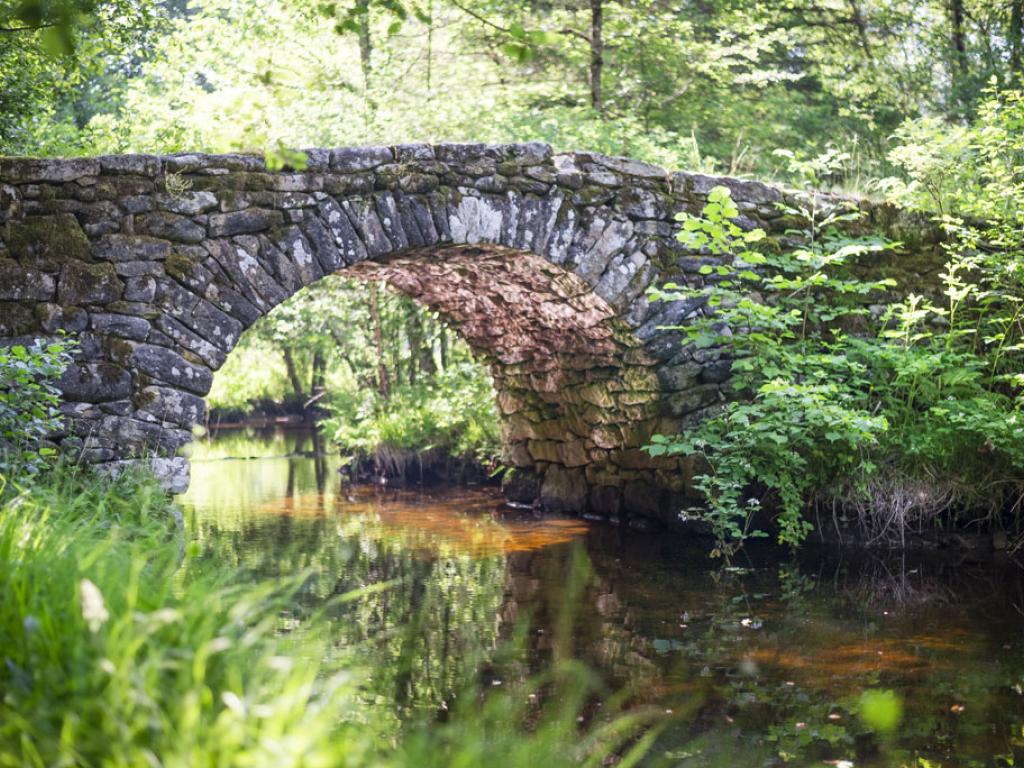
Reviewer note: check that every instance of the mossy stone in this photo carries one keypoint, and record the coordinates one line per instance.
(82, 283)
(46, 241)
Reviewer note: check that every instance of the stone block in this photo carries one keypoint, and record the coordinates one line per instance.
(545, 450)
(95, 382)
(47, 241)
(141, 288)
(166, 404)
(19, 283)
(246, 221)
(357, 159)
(190, 203)
(168, 366)
(19, 170)
(521, 485)
(82, 283)
(125, 326)
(563, 490)
(53, 317)
(132, 249)
(169, 226)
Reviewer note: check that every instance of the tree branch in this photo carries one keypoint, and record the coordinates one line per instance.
(481, 19)
(29, 27)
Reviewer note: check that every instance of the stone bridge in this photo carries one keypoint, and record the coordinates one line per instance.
(541, 260)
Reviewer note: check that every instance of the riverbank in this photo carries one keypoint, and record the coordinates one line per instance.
(413, 463)
(123, 649)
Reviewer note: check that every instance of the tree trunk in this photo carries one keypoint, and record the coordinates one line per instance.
(430, 49)
(293, 374)
(862, 28)
(362, 11)
(316, 380)
(427, 364)
(596, 54)
(443, 352)
(958, 40)
(383, 385)
(1016, 40)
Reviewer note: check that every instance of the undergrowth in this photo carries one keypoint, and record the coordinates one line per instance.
(891, 415)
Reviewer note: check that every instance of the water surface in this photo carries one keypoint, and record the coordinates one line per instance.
(761, 666)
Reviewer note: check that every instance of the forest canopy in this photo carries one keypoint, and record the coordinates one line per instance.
(712, 85)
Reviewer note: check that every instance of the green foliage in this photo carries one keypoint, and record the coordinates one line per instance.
(452, 414)
(897, 418)
(974, 171)
(711, 85)
(62, 62)
(30, 403)
(881, 710)
(110, 663)
(803, 419)
(253, 374)
(418, 389)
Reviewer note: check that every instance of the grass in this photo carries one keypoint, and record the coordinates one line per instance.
(114, 655)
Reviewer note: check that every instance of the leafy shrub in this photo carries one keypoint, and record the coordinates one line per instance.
(452, 414)
(897, 425)
(29, 403)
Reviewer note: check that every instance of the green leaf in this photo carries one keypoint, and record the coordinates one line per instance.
(719, 194)
(517, 52)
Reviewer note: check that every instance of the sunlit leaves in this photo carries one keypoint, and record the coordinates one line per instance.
(29, 403)
(881, 710)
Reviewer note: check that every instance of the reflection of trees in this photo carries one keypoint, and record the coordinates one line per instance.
(437, 621)
(653, 618)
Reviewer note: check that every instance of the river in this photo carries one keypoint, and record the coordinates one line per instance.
(748, 663)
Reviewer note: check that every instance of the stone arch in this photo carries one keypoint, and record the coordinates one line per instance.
(161, 263)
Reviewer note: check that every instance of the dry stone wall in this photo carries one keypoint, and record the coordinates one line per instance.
(158, 264)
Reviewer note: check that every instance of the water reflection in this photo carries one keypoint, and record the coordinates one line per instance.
(752, 665)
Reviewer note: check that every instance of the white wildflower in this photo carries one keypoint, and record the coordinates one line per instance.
(94, 611)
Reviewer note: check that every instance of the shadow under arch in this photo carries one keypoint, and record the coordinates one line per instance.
(577, 394)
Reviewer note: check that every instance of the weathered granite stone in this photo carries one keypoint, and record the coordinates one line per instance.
(563, 490)
(246, 221)
(18, 170)
(177, 332)
(173, 405)
(95, 382)
(134, 249)
(125, 326)
(171, 368)
(169, 226)
(140, 165)
(521, 486)
(54, 318)
(19, 283)
(82, 283)
(188, 203)
(141, 288)
(46, 241)
(356, 159)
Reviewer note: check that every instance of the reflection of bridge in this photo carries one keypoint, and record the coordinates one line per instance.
(541, 260)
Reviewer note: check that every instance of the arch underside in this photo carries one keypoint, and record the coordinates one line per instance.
(577, 393)
(159, 264)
